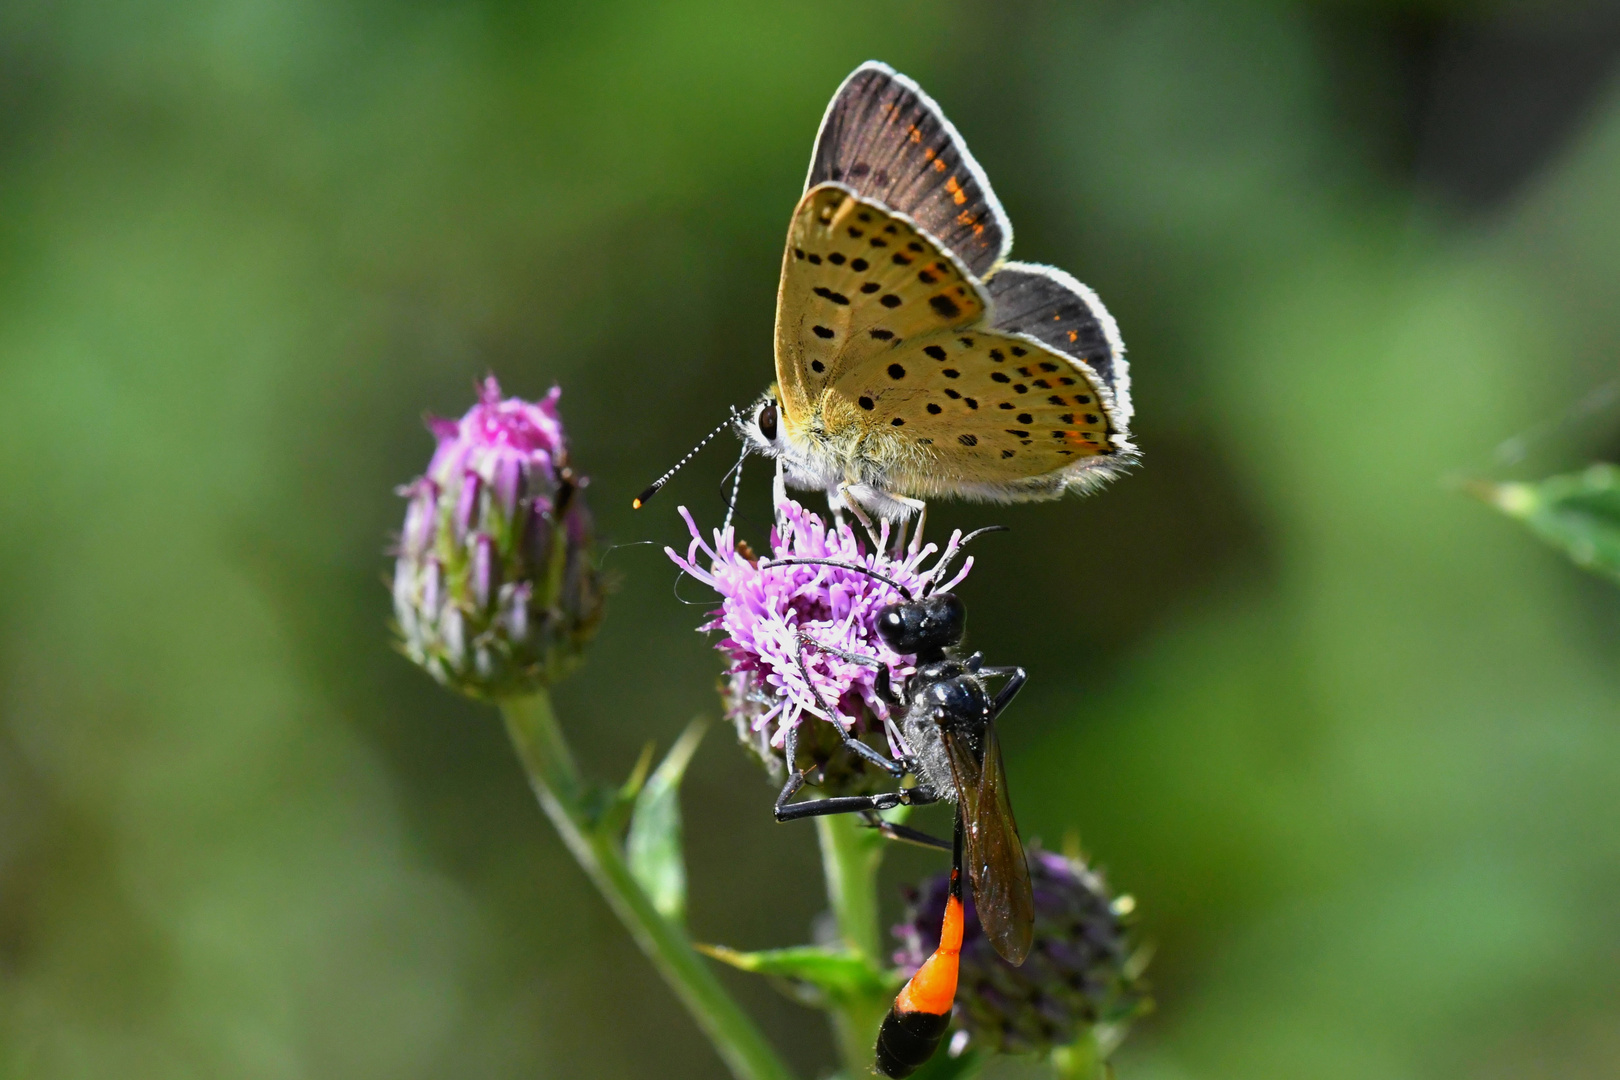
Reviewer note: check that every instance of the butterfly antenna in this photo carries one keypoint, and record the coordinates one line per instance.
(736, 488)
(944, 564)
(652, 489)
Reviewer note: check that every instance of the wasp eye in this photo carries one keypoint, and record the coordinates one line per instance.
(767, 422)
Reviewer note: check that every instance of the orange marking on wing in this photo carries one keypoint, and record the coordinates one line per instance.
(928, 153)
(978, 230)
(1074, 335)
(933, 989)
(916, 135)
(965, 218)
(939, 164)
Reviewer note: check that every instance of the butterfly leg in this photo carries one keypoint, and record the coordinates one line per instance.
(844, 495)
(921, 509)
(779, 495)
(835, 506)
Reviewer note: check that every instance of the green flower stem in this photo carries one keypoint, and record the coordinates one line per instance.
(1086, 1058)
(850, 855)
(557, 784)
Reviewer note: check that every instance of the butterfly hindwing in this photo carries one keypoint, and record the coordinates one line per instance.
(857, 282)
(1066, 316)
(888, 141)
(979, 407)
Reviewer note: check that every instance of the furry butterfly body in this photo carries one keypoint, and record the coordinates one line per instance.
(912, 359)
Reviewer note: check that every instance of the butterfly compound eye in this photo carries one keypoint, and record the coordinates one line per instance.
(767, 422)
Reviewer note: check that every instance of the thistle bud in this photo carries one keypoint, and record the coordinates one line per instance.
(495, 588)
(1080, 972)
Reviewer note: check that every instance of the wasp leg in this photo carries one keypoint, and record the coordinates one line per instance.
(851, 804)
(851, 743)
(842, 654)
(865, 805)
(795, 779)
(900, 832)
(788, 811)
(1015, 682)
(885, 681)
(889, 692)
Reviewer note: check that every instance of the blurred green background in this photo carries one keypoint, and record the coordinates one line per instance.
(1352, 739)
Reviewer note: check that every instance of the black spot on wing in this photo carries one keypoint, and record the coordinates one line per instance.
(1031, 302)
(886, 140)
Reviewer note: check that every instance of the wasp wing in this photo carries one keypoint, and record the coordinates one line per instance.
(996, 861)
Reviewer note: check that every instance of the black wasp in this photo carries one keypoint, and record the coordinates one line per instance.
(948, 716)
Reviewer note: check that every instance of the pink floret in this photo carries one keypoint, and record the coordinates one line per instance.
(497, 430)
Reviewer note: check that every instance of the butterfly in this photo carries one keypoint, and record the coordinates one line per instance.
(912, 359)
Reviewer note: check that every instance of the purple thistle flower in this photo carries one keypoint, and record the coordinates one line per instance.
(1081, 971)
(774, 680)
(495, 587)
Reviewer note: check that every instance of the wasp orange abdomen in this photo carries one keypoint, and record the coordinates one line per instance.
(922, 1010)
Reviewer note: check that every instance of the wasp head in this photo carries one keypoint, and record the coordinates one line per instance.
(925, 627)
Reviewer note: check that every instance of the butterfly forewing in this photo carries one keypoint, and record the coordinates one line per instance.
(888, 141)
(997, 865)
(858, 281)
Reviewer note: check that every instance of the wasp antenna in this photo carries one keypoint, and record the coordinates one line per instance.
(652, 489)
(886, 579)
(944, 563)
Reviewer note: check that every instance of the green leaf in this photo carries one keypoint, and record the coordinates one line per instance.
(653, 848)
(612, 819)
(1578, 513)
(836, 974)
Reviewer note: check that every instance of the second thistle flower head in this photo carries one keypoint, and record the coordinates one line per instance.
(495, 588)
(800, 640)
(1081, 970)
